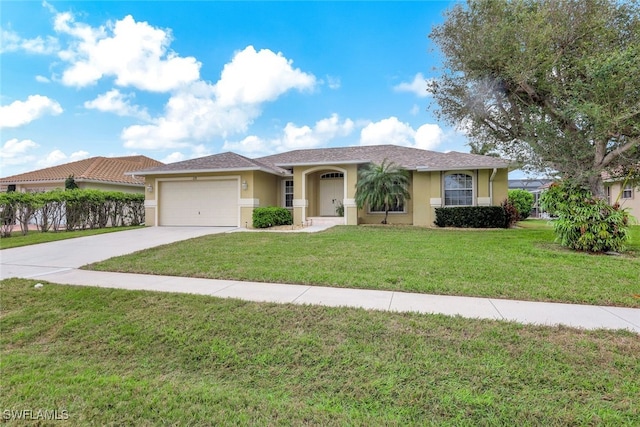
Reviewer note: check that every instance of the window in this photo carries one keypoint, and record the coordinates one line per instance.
(627, 192)
(332, 175)
(395, 207)
(608, 191)
(458, 189)
(288, 193)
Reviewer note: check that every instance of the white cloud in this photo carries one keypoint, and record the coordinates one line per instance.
(177, 156)
(418, 86)
(428, 136)
(295, 137)
(10, 41)
(14, 152)
(201, 111)
(174, 157)
(333, 82)
(392, 131)
(135, 53)
(191, 114)
(115, 102)
(415, 110)
(255, 77)
(57, 157)
(42, 79)
(19, 113)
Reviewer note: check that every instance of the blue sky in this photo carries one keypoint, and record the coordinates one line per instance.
(177, 80)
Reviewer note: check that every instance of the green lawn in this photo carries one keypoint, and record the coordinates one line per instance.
(114, 357)
(35, 237)
(522, 263)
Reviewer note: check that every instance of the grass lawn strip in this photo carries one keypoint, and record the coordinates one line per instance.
(521, 263)
(34, 237)
(113, 357)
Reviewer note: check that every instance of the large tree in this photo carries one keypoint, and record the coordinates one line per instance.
(552, 84)
(382, 186)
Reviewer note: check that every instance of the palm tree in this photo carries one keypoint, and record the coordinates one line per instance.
(382, 186)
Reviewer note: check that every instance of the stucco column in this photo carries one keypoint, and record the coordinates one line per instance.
(300, 210)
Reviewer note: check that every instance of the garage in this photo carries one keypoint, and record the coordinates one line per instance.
(199, 203)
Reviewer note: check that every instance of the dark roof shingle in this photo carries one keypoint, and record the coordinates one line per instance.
(406, 157)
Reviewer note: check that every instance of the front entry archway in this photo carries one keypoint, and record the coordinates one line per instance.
(331, 193)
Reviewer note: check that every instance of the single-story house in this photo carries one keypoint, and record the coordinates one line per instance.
(223, 189)
(102, 173)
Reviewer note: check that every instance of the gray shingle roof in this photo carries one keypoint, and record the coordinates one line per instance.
(408, 158)
(218, 162)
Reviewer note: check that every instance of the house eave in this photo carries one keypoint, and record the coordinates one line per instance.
(456, 168)
(193, 171)
(327, 163)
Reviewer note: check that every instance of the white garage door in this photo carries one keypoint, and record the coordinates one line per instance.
(199, 203)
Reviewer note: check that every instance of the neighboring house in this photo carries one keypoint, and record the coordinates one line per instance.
(103, 173)
(223, 189)
(533, 186)
(624, 193)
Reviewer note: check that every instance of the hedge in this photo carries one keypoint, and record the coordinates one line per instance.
(271, 216)
(69, 209)
(472, 217)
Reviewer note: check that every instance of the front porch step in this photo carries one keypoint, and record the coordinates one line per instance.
(325, 220)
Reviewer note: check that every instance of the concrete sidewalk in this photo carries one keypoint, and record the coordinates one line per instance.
(59, 262)
(580, 316)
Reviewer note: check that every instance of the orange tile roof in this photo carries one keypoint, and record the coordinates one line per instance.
(96, 169)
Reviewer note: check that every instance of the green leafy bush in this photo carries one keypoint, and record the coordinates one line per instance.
(271, 216)
(523, 202)
(73, 209)
(584, 222)
(471, 217)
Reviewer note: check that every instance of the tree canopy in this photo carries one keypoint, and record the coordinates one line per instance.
(553, 84)
(382, 186)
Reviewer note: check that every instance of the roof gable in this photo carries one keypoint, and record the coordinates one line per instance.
(217, 162)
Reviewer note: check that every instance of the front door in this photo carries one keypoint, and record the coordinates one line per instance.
(331, 193)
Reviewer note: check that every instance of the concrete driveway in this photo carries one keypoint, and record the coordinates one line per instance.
(46, 258)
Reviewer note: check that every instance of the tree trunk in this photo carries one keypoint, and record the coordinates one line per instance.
(597, 186)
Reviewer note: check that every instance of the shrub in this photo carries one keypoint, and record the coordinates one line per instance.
(522, 200)
(471, 217)
(75, 209)
(7, 214)
(584, 222)
(271, 216)
(511, 215)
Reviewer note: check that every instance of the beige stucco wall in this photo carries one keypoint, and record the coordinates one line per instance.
(500, 187)
(422, 210)
(632, 204)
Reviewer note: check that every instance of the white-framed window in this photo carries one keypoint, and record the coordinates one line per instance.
(458, 189)
(627, 192)
(288, 193)
(395, 207)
